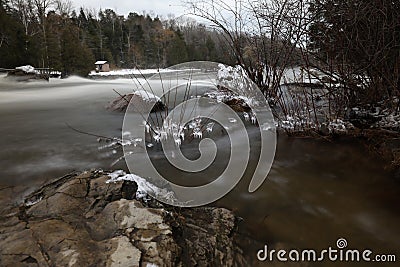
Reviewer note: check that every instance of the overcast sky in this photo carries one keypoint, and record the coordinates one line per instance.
(159, 7)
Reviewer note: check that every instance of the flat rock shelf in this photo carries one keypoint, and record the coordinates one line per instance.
(80, 220)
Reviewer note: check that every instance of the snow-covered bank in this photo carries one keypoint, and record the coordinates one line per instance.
(28, 73)
(27, 69)
(129, 73)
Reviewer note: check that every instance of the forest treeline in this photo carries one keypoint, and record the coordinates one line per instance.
(355, 43)
(52, 34)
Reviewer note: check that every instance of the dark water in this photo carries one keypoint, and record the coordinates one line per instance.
(316, 192)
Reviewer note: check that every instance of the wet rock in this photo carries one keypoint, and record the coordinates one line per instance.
(238, 105)
(139, 104)
(229, 98)
(125, 254)
(120, 103)
(80, 220)
(21, 76)
(361, 119)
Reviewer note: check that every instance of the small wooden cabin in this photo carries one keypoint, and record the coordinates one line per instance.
(102, 66)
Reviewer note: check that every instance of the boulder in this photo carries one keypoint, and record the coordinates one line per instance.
(137, 102)
(80, 220)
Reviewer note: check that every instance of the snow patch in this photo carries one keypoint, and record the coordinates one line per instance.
(147, 96)
(27, 69)
(144, 187)
(128, 72)
(31, 203)
(337, 126)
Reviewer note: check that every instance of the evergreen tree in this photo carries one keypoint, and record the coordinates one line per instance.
(177, 50)
(12, 41)
(39, 33)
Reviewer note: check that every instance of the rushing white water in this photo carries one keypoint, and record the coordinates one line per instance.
(36, 142)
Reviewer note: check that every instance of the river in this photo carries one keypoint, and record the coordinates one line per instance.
(316, 192)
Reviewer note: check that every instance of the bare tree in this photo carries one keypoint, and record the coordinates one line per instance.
(357, 44)
(267, 38)
(262, 35)
(25, 10)
(41, 9)
(64, 7)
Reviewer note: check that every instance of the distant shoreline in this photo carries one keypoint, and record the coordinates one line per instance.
(128, 73)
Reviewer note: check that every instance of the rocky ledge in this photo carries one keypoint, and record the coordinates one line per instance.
(80, 220)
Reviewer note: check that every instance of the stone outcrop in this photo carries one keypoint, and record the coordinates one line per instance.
(80, 220)
(21, 76)
(136, 102)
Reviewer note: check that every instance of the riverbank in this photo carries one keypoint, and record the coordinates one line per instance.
(379, 133)
(128, 74)
(380, 143)
(384, 143)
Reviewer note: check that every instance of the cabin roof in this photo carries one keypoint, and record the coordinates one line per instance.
(100, 62)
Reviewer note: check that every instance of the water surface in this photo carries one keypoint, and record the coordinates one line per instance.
(317, 191)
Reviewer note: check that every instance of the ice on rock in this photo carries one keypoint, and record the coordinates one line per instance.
(178, 141)
(144, 187)
(288, 124)
(33, 202)
(157, 137)
(177, 137)
(337, 126)
(253, 118)
(147, 96)
(174, 128)
(116, 174)
(163, 135)
(198, 121)
(192, 125)
(246, 116)
(147, 126)
(197, 133)
(168, 126)
(210, 127)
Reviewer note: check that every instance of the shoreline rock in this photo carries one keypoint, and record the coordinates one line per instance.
(26, 73)
(80, 220)
(139, 103)
(21, 76)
